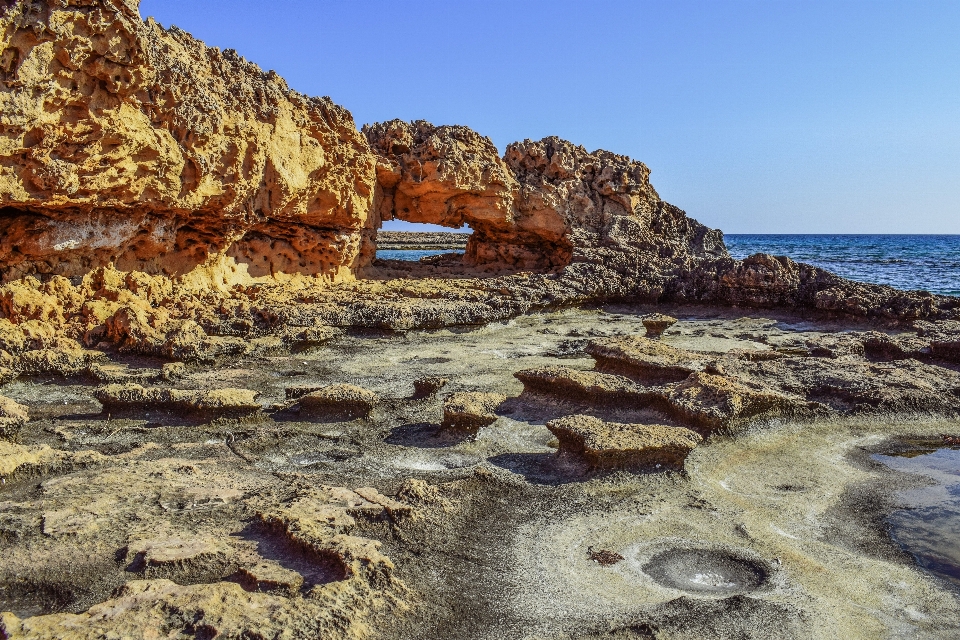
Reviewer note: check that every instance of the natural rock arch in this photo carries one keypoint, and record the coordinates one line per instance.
(453, 176)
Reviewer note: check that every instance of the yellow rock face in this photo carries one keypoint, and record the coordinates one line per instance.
(124, 142)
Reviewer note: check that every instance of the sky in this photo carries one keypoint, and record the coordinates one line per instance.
(755, 116)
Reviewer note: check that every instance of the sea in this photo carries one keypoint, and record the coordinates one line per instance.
(410, 254)
(927, 262)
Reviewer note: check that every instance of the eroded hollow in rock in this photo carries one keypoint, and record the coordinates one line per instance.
(707, 571)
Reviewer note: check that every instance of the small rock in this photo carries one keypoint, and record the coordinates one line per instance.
(343, 400)
(604, 557)
(173, 371)
(611, 445)
(311, 336)
(468, 411)
(296, 391)
(657, 323)
(427, 386)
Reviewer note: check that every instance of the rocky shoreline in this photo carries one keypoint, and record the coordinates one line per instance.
(222, 416)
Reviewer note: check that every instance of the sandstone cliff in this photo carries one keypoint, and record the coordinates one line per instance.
(124, 142)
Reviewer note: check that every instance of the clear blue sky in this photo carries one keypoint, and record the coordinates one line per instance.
(756, 116)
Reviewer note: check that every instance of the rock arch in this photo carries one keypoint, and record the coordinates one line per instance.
(453, 176)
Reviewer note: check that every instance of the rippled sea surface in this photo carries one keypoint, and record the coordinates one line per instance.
(410, 254)
(924, 262)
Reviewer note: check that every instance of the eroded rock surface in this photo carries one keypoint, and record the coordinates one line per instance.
(133, 397)
(657, 323)
(124, 142)
(343, 400)
(611, 445)
(469, 411)
(13, 415)
(179, 226)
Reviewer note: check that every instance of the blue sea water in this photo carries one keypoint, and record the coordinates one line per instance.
(410, 254)
(929, 262)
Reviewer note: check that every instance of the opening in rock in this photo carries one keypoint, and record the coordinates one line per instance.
(431, 243)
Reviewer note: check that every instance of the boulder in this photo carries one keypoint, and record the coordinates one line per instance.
(469, 411)
(128, 143)
(611, 445)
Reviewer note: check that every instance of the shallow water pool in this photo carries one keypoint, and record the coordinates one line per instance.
(930, 529)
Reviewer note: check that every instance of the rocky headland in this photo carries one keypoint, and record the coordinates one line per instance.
(222, 416)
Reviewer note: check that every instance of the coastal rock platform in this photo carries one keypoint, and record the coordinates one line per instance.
(222, 416)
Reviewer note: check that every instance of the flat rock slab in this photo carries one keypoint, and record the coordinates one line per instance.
(711, 401)
(120, 397)
(592, 386)
(23, 460)
(645, 359)
(180, 557)
(340, 400)
(469, 411)
(612, 445)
